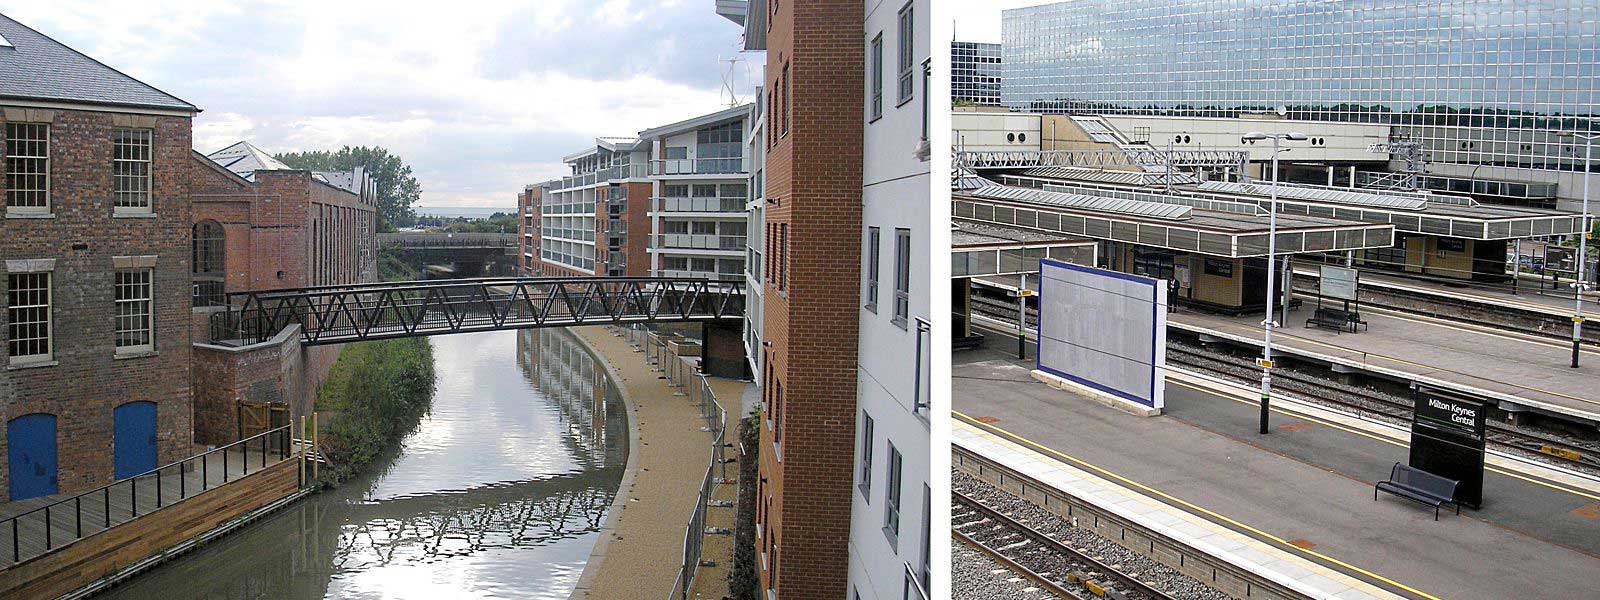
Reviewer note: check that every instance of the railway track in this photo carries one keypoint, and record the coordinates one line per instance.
(1055, 566)
(1375, 404)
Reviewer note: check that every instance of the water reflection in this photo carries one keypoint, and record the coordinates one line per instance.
(499, 493)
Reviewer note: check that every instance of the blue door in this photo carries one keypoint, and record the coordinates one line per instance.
(134, 440)
(31, 452)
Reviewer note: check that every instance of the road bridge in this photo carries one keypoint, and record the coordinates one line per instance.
(337, 314)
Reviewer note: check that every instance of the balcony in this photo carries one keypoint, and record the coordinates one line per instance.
(620, 172)
(700, 275)
(693, 241)
(734, 206)
(700, 166)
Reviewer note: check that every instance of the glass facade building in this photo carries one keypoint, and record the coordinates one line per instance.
(975, 73)
(1477, 82)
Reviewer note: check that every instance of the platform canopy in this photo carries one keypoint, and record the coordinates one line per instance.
(990, 249)
(1202, 230)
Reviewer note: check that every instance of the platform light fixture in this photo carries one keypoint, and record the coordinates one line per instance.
(1272, 254)
(1586, 230)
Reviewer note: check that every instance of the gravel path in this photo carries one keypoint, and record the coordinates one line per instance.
(975, 576)
(1145, 569)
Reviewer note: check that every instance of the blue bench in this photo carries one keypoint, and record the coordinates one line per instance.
(1419, 486)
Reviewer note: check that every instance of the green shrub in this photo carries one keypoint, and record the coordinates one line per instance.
(375, 394)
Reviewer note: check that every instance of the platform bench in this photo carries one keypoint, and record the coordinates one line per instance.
(1331, 318)
(1419, 486)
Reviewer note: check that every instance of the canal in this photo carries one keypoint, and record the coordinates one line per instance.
(499, 493)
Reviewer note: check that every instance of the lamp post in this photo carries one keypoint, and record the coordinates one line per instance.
(1272, 256)
(1583, 243)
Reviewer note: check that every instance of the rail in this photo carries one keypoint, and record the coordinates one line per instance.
(446, 240)
(683, 373)
(1146, 158)
(1150, 543)
(43, 529)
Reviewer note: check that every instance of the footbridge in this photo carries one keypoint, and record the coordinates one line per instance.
(348, 313)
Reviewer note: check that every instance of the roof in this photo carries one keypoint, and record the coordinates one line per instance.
(969, 234)
(245, 158)
(35, 67)
(726, 114)
(349, 181)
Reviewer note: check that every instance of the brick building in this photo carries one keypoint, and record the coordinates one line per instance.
(97, 258)
(257, 225)
(528, 263)
(844, 302)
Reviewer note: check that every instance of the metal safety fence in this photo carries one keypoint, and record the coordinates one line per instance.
(62, 522)
(683, 374)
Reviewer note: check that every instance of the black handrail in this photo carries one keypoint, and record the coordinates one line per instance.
(105, 491)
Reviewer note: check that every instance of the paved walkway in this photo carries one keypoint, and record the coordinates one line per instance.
(642, 547)
(1306, 489)
(1509, 367)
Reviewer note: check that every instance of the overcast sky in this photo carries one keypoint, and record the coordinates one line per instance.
(979, 20)
(479, 98)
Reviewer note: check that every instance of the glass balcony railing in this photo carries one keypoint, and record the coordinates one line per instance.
(699, 166)
(700, 274)
(713, 205)
(695, 241)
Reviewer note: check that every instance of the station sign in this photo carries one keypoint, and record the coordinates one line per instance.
(1459, 414)
(1447, 439)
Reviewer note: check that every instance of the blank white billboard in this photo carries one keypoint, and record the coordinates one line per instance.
(1105, 330)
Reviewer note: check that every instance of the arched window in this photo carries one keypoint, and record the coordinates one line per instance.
(210, 271)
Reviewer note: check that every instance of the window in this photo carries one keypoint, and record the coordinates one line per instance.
(784, 83)
(130, 170)
(875, 77)
(777, 416)
(873, 241)
(783, 257)
(704, 190)
(675, 263)
(927, 71)
(866, 457)
(703, 227)
(703, 265)
(907, 38)
(675, 227)
(28, 317)
(891, 506)
(210, 271)
(902, 276)
(28, 168)
(675, 190)
(133, 310)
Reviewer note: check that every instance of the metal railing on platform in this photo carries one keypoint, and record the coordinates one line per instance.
(40, 530)
(683, 372)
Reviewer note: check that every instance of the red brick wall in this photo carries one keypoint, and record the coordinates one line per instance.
(638, 218)
(813, 174)
(87, 381)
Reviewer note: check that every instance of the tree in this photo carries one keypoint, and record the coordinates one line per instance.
(397, 187)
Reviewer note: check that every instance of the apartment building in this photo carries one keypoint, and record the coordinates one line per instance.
(97, 281)
(755, 226)
(890, 509)
(701, 178)
(594, 221)
(839, 257)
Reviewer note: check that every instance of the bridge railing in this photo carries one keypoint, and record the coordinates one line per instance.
(683, 373)
(62, 522)
(345, 313)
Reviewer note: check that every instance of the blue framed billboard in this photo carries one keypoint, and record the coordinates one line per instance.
(1104, 330)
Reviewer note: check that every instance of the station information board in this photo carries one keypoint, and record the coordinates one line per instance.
(1338, 282)
(1447, 439)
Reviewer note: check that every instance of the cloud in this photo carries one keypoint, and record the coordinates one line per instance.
(480, 100)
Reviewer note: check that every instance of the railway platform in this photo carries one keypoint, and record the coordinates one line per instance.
(1305, 490)
(1517, 371)
(1533, 296)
